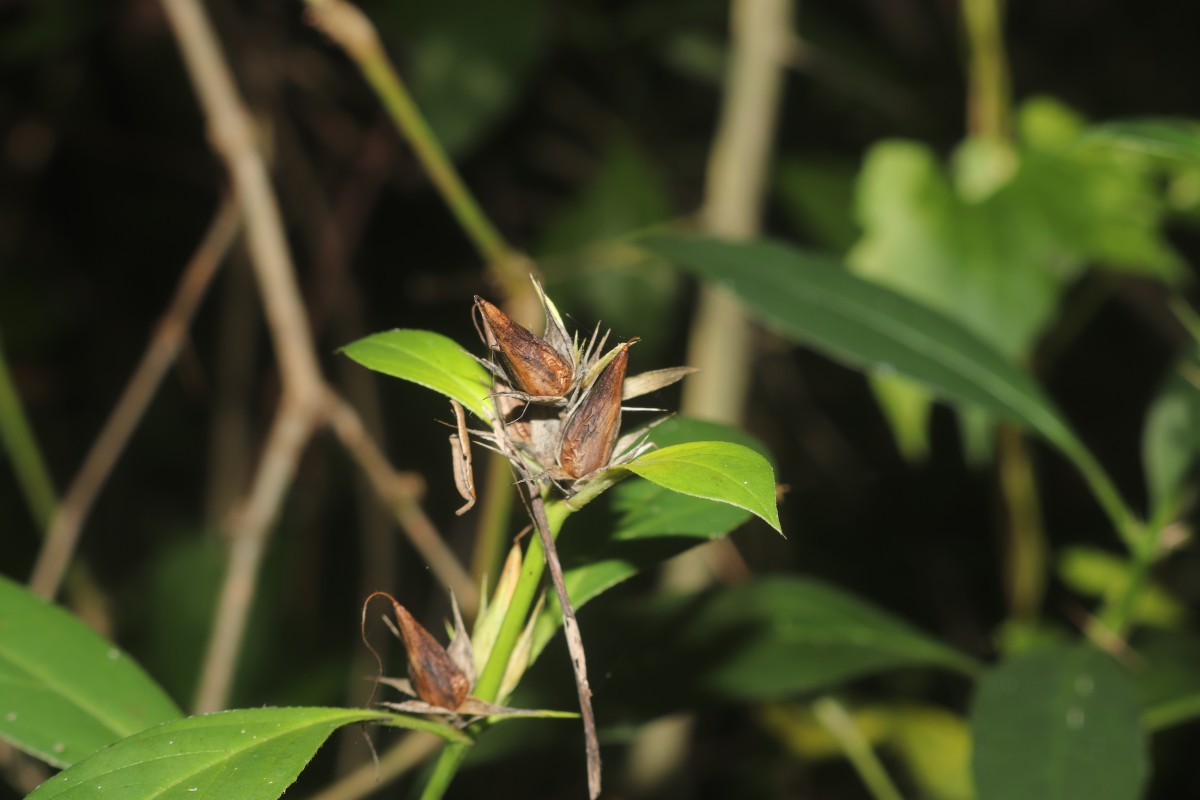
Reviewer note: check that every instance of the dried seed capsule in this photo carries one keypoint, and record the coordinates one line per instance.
(533, 366)
(435, 677)
(590, 433)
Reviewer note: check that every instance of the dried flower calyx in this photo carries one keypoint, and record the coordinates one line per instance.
(440, 679)
(560, 397)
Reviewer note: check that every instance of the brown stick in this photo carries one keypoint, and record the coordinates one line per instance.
(161, 352)
(574, 641)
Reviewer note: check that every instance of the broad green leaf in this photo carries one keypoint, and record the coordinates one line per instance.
(1177, 139)
(249, 754)
(995, 243)
(65, 691)
(722, 471)
(767, 638)
(1058, 724)
(1167, 677)
(429, 359)
(816, 302)
(638, 524)
(1171, 441)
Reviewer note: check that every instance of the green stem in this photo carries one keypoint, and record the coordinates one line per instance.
(408, 119)
(487, 688)
(17, 438)
(857, 749)
(354, 32)
(989, 94)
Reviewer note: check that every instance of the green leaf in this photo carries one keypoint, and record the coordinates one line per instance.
(1058, 724)
(1171, 441)
(429, 359)
(250, 754)
(815, 301)
(65, 691)
(1176, 139)
(763, 639)
(722, 471)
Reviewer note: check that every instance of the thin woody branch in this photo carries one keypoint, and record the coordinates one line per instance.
(165, 344)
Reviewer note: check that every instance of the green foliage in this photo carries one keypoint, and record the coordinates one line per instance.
(768, 638)
(995, 245)
(252, 754)
(428, 359)
(645, 524)
(722, 471)
(1058, 724)
(64, 691)
(1168, 677)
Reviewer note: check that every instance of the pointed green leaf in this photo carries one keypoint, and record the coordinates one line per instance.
(64, 690)
(721, 471)
(1059, 724)
(250, 754)
(429, 359)
(816, 302)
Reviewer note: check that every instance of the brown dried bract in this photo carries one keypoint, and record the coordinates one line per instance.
(435, 677)
(532, 365)
(590, 433)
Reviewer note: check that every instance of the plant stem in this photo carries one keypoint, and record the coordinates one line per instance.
(354, 33)
(857, 749)
(17, 437)
(989, 95)
(487, 687)
(1025, 538)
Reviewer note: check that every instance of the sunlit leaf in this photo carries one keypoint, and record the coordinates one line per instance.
(250, 754)
(1058, 724)
(428, 359)
(722, 471)
(64, 690)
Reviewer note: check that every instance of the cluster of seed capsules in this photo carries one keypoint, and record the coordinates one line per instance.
(560, 398)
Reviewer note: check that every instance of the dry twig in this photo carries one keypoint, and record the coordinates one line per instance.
(164, 347)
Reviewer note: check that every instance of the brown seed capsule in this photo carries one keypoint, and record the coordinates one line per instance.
(590, 433)
(533, 366)
(434, 676)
